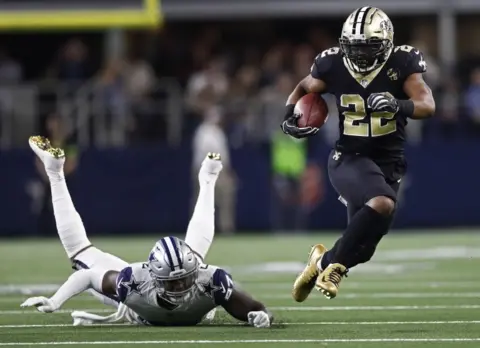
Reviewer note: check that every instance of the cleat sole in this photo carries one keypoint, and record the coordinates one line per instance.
(44, 144)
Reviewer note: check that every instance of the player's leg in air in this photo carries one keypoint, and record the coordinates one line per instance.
(201, 229)
(371, 205)
(70, 228)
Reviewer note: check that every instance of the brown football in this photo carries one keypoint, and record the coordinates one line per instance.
(313, 110)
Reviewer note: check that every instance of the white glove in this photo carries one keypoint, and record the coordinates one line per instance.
(211, 315)
(43, 304)
(259, 319)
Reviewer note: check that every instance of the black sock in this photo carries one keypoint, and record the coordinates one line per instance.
(366, 224)
(328, 256)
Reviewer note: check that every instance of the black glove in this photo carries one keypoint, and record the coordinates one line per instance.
(382, 102)
(290, 127)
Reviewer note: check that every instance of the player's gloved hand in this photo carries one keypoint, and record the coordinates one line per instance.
(382, 102)
(259, 319)
(43, 304)
(290, 127)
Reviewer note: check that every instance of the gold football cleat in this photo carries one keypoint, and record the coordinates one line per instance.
(214, 156)
(330, 279)
(44, 144)
(306, 280)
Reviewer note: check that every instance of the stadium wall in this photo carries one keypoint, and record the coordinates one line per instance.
(146, 190)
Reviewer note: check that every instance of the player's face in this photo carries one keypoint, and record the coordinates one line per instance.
(179, 285)
(177, 290)
(363, 54)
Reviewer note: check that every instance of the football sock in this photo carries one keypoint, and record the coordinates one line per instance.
(201, 229)
(69, 223)
(366, 224)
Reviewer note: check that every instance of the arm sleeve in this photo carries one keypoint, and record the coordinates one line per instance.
(77, 283)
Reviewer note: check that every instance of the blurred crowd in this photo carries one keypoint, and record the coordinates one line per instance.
(170, 81)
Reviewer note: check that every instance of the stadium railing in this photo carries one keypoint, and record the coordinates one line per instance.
(87, 110)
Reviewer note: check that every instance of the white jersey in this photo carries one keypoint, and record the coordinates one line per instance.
(135, 288)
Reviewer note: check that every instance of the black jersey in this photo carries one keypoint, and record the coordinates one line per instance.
(378, 135)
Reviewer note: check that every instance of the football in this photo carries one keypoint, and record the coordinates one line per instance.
(313, 110)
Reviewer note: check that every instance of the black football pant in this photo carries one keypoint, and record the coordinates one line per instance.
(357, 179)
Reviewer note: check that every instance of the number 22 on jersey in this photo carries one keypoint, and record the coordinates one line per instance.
(380, 123)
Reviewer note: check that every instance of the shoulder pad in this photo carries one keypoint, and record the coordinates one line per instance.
(219, 287)
(127, 283)
(410, 60)
(322, 64)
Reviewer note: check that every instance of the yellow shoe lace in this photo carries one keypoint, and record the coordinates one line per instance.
(336, 275)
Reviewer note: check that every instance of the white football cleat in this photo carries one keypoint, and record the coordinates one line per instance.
(52, 158)
(211, 167)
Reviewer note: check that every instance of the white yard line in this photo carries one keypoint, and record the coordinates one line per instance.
(374, 308)
(380, 295)
(386, 283)
(296, 308)
(333, 340)
(389, 295)
(450, 322)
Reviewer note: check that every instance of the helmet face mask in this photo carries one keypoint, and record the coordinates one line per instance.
(365, 55)
(367, 39)
(176, 289)
(174, 269)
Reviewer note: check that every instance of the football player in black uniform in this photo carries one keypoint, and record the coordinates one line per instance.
(378, 86)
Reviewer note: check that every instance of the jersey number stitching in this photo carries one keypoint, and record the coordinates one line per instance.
(229, 288)
(328, 52)
(381, 123)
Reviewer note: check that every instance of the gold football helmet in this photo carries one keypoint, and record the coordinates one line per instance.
(367, 39)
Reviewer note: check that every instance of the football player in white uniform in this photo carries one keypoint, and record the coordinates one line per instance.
(172, 287)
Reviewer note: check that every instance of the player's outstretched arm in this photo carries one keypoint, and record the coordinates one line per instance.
(420, 96)
(243, 307)
(237, 303)
(77, 283)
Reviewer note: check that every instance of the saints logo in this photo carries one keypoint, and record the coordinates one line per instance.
(392, 74)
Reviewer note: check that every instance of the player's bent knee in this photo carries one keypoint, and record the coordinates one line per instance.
(95, 258)
(382, 204)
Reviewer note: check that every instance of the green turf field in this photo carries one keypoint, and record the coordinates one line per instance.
(420, 290)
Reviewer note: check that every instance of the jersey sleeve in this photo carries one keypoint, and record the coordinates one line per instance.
(414, 60)
(322, 65)
(123, 279)
(220, 288)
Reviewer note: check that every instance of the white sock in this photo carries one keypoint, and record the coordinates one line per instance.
(201, 228)
(69, 224)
